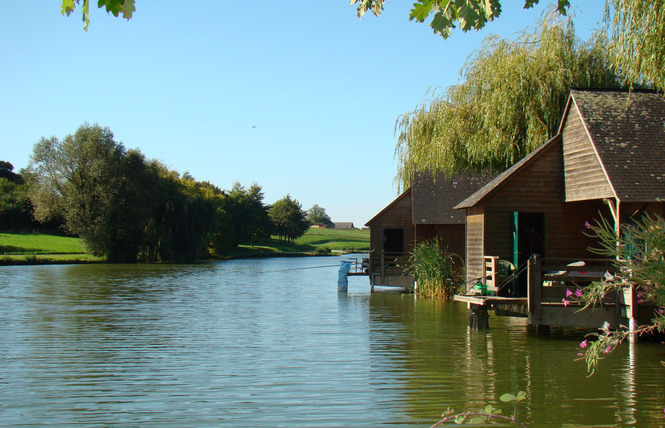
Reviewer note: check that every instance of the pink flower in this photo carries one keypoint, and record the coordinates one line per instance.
(584, 344)
(568, 292)
(660, 311)
(565, 302)
(578, 293)
(608, 349)
(587, 224)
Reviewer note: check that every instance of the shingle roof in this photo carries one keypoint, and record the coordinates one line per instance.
(628, 131)
(435, 196)
(507, 175)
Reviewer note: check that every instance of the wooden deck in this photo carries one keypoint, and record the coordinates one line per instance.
(547, 302)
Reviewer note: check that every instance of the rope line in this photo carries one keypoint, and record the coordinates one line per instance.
(304, 268)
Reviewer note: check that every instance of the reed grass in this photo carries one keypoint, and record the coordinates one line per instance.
(438, 273)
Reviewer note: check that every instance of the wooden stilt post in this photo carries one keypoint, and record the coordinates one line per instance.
(631, 312)
(479, 318)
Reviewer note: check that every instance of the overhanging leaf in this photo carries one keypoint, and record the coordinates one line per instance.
(67, 7)
(421, 11)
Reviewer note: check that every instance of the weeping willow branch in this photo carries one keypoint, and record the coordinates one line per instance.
(509, 102)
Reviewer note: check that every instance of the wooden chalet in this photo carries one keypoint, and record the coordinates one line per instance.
(608, 160)
(423, 212)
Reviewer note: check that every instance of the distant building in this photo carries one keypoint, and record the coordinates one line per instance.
(424, 212)
(344, 225)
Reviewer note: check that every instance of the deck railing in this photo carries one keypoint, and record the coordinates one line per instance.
(549, 282)
(393, 263)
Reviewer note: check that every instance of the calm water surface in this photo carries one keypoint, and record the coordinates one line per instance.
(271, 343)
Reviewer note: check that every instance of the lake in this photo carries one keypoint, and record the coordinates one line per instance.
(271, 342)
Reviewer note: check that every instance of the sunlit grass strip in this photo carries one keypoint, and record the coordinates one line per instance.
(313, 242)
(37, 243)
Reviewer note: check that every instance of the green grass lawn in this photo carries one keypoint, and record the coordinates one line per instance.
(31, 248)
(314, 241)
(37, 243)
(40, 248)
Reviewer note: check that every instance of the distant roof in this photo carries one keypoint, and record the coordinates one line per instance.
(503, 178)
(436, 194)
(628, 131)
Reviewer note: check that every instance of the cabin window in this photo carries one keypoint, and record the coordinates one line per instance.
(393, 240)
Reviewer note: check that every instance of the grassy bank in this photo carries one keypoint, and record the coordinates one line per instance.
(29, 248)
(314, 241)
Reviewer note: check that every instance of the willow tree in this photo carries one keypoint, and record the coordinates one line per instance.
(638, 41)
(509, 102)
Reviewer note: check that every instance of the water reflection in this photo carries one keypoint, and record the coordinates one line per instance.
(254, 342)
(444, 364)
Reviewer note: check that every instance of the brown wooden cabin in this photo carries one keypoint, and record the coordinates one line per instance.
(423, 212)
(608, 160)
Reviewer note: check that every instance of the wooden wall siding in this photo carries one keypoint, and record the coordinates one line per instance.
(475, 250)
(451, 236)
(651, 209)
(538, 188)
(397, 216)
(584, 177)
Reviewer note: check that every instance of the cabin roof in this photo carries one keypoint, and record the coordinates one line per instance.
(628, 132)
(436, 194)
(500, 180)
(405, 194)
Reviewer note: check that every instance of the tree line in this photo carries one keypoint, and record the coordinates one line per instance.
(128, 208)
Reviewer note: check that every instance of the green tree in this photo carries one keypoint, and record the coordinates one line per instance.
(318, 215)
(638, 41)
(7, 172)
(637, 36)
(82, 179)
(289, 219)
(15, 207)
(510, 101)
(182, 216)
(249, 215)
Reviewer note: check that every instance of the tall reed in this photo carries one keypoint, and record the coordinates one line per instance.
(438, 273)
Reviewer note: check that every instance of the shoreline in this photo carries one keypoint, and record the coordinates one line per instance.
(44, 259)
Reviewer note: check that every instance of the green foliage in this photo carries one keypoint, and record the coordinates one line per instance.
(638, 32)
(469, 14)
(639, 256)
(318, 215)
(15, 207)
(437, 273)
(248, 215)
(314, 241)
(487, 415)
(288, 218)
(123, 207)
(125, 8)
(509, 103)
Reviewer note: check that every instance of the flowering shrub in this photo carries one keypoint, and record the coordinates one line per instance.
(639, 256)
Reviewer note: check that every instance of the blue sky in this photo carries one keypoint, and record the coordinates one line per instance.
(300, 97)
